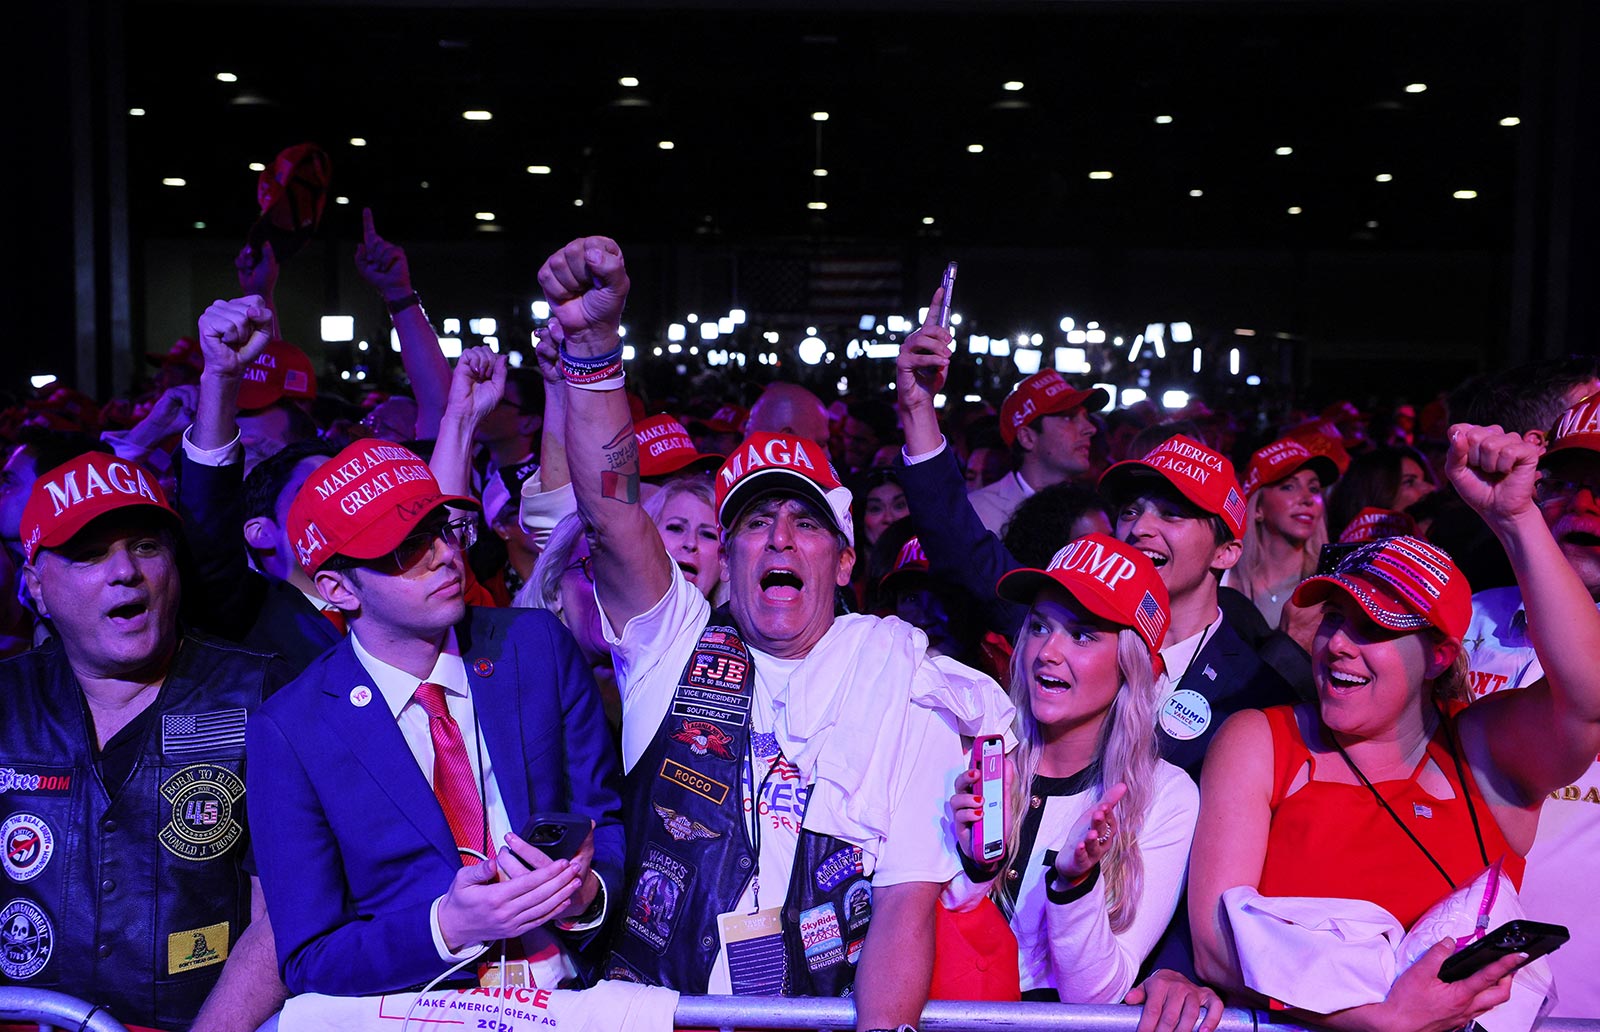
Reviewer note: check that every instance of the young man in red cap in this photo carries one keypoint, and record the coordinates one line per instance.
(122, 766)
(1182, 505)
(1045, 421)
(1500, 657)
(785, 825)
(422, 740)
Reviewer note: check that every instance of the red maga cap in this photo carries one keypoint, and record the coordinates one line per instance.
(1043, 394)
(1201, 475)
(64, 500)
(1282, 458)
(363, 502)
(1322, 438)
(911, 560)
(1578, 427)
(729, 419)
(1113, 580)
(1402, 583)
(1371, 524)
(764, 463)
(666, 447)
(280, 371)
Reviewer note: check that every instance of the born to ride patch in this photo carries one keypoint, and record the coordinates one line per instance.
(204, 798)
(197, 948)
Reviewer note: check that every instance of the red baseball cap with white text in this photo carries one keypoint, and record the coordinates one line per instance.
(666, 447)
(363, 502)
(1578, 428)
(280, 371)
(1285, 457)
(65, 500)
(1200, 474)
(1043, 394)
(764, 463)
(1113, 580)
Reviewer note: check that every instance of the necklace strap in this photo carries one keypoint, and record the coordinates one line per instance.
(1396, 817)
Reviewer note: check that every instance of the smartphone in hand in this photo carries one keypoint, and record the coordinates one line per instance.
(1531, 937)
(989, 834)
(558, 836)
(948, 285)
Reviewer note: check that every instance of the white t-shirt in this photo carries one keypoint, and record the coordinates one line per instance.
(650, 656)
(1557, 887)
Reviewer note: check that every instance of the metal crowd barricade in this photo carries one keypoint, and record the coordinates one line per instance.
(767, 1012)
(20, 1004)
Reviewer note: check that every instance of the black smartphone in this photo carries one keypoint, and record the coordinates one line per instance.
(558, 835)
(1531, 937)
(949, 287)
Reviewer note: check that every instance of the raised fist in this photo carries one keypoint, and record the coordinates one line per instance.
(1493, 471)
(586, 284)
(478, 383)
(233, 333)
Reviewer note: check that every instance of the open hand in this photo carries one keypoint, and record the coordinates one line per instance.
(1090, 837)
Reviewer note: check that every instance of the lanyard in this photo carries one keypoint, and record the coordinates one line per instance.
(754, 828)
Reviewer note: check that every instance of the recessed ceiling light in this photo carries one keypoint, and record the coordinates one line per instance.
(227, 77)
(136, 112)
(1197, 193)
(483, 216)
(358, 141)
(577, 202)
(1295, 210)
(1163, 120)
(1417, 87)
(1510, 120)
(1464, 195)
(927, 220)
(1372, 224)
(423, 184)
(199, 225)
(666, 145)
(818, 205)
(1384, 177)
(819, 116)
(477, 115)
(1100, 175)
(174, 181)
(341, 200)
(1284, 152)
(974, 148)
(1013, 86)
(538, 170)
(628, 81)
(819, 172)
(256, 166)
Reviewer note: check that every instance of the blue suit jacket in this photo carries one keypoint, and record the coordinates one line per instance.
(350, 842)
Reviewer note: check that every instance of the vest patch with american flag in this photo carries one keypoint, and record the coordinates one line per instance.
(183, 733)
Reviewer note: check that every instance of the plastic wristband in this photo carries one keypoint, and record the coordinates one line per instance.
(587, 365)
(396, 307)
(610, 383)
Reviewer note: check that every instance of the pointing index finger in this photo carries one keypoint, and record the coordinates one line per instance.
(369, 233)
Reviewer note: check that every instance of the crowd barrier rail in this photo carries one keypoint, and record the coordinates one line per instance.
(24, 1005)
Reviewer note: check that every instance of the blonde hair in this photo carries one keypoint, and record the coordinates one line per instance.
(1127, 753)
(1252, 556)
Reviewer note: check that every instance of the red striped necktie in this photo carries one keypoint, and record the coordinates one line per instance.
(453, 782)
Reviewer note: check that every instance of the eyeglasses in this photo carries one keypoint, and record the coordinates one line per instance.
(584, 563)
(1549, 489)
(414, 548)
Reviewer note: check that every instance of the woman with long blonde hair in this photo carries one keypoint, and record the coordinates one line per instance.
(1286, 524)
(1097, 825)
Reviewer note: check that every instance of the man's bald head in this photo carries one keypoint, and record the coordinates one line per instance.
(788, 408)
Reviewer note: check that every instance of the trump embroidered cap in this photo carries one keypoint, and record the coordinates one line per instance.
(1043, 394)
(1402, 583)
(1578, 427)
(911, 562)
(363, 502)
(1113, 580)
(764, 463)
(280, 371)
(1284, 458)
(666, 447)
(1371, 524)
(1201, 475)
(64, 500)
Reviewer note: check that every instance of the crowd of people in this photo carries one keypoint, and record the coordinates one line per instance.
(292, 676)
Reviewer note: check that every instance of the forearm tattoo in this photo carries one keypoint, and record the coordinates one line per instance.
(620, 479)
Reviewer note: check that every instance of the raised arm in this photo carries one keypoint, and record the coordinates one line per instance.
(475, 389)
(554, 472)
(232, 334)
(1544, 736)
(258, 275)
(586, 283)
(384, 265)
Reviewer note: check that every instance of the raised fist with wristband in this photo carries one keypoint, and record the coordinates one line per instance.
(586, 284)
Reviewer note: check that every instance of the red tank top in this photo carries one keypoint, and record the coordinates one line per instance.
(1333, 839)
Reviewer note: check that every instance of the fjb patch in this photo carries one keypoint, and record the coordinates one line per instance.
(204, 799)
(657, 896)
(719, 673)
(28, 843)
(27, 939)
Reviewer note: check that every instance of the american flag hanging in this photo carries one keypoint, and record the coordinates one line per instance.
(200, 732)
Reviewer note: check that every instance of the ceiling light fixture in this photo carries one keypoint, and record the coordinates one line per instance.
(357, 141)
(483, 216)
(227, 77)
(174, 181)
(1284, 152)
(477, 115)
(341, 200)
(1197, 193)
(927, 220)
(1417, 87)
(628, 81)
(817, 205)
(820, 173)
(819, 116)
(538, 170)
(1013, 86)
(256, 166)
(666, 145)
(1465, 195)
(1384, 177)
(136, 112)
(1163, 120)
(1295, 210)
(1510, 120)
(1100, 175)
(974, 148)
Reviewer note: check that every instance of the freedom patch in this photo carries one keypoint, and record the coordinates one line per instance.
(201, 825)
(12, 780)
(28, 843)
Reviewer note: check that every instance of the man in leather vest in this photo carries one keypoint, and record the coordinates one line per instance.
(786, 769)
(126, 858)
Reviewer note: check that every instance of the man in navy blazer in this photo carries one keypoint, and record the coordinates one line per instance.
(427, 736)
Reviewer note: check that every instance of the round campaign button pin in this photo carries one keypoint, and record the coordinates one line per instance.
(482, 667)
(360, 695)
(28, 843)
(1186, 715)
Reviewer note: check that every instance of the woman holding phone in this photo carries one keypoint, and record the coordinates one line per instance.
(1386, 788)
(1097, 826)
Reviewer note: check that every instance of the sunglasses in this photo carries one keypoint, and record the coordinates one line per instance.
(413, 548)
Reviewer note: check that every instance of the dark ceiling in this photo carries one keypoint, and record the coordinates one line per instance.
(906, 91)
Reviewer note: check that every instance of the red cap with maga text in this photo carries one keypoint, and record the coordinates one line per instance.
(64, 500)
(764, 463)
